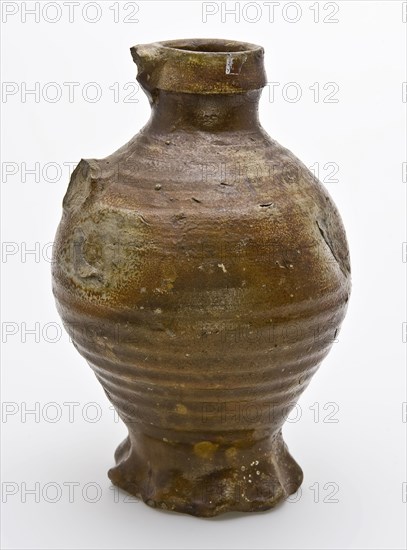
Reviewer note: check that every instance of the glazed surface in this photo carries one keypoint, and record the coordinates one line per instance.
(203, 272)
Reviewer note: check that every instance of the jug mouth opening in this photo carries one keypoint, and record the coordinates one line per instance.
(200, 66)
(211, 45)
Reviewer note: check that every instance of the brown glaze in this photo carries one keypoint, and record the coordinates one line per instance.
(203, 272)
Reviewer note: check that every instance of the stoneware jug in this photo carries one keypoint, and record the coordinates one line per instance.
(203, 272)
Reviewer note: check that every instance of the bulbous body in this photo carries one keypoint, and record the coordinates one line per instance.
(203, 272)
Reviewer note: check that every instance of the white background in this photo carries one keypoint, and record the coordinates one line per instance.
(362, 381)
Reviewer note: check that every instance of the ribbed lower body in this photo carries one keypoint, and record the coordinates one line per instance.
(205, 408)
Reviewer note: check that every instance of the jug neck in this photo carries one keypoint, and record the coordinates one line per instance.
(213, 113)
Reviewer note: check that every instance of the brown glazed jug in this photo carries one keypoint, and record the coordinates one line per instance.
(203, 272)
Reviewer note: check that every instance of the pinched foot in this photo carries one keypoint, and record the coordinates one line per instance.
(206, 479)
